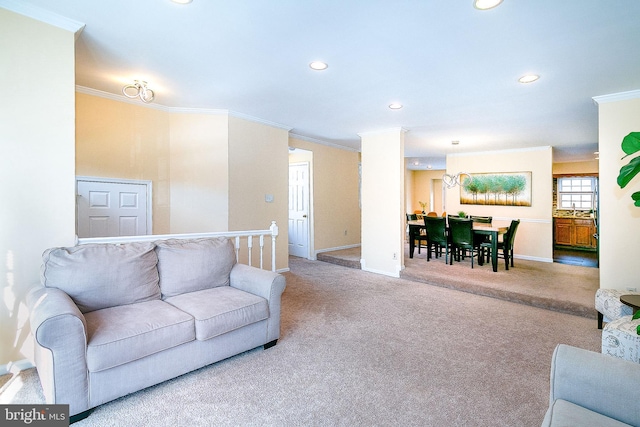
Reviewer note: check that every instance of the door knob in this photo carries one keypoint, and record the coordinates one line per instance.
(304, 216)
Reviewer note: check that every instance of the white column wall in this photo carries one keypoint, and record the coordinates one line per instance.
(37, 167)
(619, 219)
(383, 218)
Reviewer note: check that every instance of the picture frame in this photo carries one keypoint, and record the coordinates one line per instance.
(497, 189)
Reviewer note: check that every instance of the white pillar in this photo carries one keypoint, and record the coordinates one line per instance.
(383, 221)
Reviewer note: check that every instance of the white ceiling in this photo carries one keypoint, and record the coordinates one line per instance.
(453, 67)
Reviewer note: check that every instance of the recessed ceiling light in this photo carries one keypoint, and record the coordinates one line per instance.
(318, 65)
(528, 78)
(182, 1)
(486, 4)
(395, 106)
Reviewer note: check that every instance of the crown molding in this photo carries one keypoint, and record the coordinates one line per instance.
(321, 142)
(156, 106)
(377, 132)
(120, 98)
(614, 97)
(509, 150)
(42, 15)
(259, 120)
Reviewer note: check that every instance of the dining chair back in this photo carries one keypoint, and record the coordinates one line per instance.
(482, 219)
(480, 239)
(421, 234)
(432, 214)
(507, 243)
(461, 234)
(436, 236)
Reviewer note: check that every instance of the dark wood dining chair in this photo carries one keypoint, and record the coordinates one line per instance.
(504, 246)
(479, 239)
(507, 243)
(461, 235)
(421, 236)
(436, 237)
(482, 219)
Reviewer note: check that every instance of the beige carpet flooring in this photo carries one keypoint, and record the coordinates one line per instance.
(560, 287)
(361, 349)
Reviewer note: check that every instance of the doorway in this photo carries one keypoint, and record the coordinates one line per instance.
(107, 207)
(299, 209)
(575, 219)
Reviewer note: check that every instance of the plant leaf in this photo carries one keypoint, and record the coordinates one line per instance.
(636, 315)
(631, 143)
(628, 171)
(636, 197)
(638, 329)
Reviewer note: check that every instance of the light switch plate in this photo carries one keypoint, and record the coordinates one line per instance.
(268, 198)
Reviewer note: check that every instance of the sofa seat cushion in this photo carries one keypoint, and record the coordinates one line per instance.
(118, 335)
(220, 310)
(566, 414)
(188, 265)
(103, 275)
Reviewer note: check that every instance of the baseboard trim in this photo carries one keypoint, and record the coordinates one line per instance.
(337, 248)
(532, 258)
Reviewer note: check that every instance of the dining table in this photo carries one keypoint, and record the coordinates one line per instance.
(478, 228)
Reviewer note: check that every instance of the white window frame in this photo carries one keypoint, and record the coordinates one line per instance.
(577, 195)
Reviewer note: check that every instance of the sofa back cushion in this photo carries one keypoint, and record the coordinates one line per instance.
(106, 275)
(194, 264)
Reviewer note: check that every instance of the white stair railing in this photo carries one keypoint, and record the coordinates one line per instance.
(238, 236)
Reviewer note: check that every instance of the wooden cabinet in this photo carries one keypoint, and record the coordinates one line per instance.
(563, 231)
(575, 232)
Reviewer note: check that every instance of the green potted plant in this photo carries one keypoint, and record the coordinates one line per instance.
(630, 145)
(462, 214)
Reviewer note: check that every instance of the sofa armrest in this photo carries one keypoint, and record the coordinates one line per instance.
(268, 285)
(595, 381)
(60, 333)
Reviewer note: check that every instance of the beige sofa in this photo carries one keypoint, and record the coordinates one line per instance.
(111, 319)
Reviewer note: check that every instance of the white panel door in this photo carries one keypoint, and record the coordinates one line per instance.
(109, 208)
(299, 209)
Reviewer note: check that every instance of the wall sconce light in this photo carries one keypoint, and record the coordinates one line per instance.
(138, 88)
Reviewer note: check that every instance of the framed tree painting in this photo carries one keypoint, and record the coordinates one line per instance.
(502, 189)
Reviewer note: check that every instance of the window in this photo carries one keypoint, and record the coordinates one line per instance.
(577, 193)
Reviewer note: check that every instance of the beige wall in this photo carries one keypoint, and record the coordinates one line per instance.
(568, 168)
(534, 239)
(210, 171)
(122, 140)
(423, 184)
(199, 173)
(259, 166)
(37, 166)
(335, 195)
(619, 218)
(383, 220)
